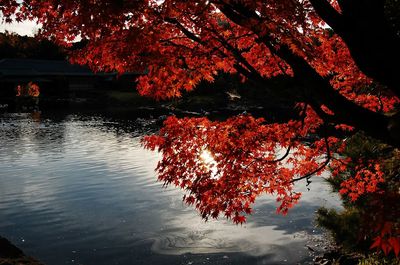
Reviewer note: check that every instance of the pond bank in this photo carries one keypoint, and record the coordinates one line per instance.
(12, 255)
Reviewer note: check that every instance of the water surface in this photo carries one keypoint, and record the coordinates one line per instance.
(80, 189)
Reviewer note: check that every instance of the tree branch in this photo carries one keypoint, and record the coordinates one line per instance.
(184, 30)
(321, 167)
(332, 17)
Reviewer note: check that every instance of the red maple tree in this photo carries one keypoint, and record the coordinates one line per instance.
(340, 57)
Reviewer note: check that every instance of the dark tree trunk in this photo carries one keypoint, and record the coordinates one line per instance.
(373, 43)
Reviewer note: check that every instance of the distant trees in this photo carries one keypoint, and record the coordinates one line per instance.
(24, 47)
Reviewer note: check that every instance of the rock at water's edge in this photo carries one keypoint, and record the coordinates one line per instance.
(11, 255)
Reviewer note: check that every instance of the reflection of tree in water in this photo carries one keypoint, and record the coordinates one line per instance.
(123, 126)
(31, 133)
(27, 97)
(41, 133)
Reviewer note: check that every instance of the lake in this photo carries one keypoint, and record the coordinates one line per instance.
(80, 189)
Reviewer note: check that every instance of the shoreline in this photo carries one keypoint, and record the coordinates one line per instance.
(12, 255)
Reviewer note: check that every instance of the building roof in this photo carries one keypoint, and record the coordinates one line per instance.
(30, 67)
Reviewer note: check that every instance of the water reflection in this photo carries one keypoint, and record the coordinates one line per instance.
(26, 134)
(81, 190)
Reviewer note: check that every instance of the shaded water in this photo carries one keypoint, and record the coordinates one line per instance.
(80, 189)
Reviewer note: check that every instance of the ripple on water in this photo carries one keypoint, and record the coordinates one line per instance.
(82, 188)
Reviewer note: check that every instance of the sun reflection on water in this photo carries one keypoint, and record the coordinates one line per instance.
(209, 162)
